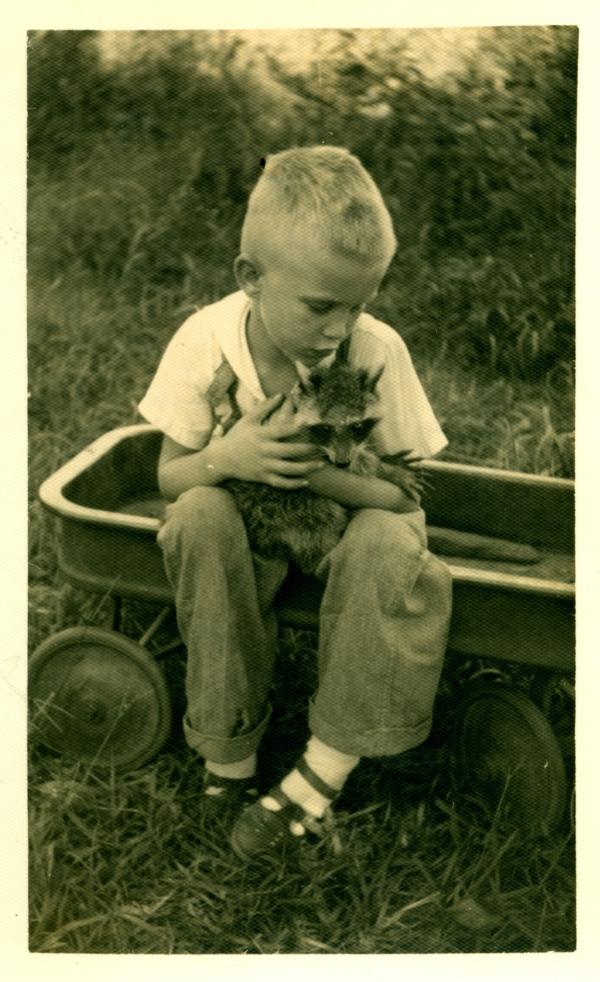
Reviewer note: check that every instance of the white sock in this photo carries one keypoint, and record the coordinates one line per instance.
(238, 770)
(329, 764)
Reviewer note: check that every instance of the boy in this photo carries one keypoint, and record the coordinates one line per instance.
(316, 242)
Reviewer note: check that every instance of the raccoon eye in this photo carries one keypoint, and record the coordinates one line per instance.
(361, 430)
(321, 433)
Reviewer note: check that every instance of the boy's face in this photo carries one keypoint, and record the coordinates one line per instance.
(306, 298)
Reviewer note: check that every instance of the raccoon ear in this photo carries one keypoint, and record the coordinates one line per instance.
(305, 383)
(315, 382)
(343, 350)
(371, 381)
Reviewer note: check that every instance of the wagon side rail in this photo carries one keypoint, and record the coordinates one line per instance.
(54, 491)
(465, 500)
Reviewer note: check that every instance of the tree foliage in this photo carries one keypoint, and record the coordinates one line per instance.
(160, 149)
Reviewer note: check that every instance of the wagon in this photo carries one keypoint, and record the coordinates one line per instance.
(507, 538)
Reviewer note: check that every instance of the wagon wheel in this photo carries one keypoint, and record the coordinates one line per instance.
(554, 693)
(98, 696)
(508, 752)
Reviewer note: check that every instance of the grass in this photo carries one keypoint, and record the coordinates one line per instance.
(124, 863)
(127, 862)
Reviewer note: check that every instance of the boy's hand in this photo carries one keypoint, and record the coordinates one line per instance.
(260, 447)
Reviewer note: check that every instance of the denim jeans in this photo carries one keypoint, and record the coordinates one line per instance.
(384, 623)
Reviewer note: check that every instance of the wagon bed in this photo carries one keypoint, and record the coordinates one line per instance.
(110, 511)
(102, 696)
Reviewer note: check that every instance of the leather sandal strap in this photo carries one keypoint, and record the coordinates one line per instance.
(210, 780)
(279, 795)
(315, 781)
(292, 810)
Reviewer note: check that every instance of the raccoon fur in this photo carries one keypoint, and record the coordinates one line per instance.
(335, 406)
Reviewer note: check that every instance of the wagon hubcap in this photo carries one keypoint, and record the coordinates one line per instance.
(99, 696)
(508, 752)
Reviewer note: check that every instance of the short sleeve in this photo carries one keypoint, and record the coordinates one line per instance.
(175, 400)
(407, 421)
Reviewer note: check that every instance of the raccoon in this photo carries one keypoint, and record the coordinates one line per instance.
(335, 405)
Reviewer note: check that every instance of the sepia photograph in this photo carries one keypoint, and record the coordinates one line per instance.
(301, 442)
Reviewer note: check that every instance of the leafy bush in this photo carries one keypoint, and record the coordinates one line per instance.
(140, 169)
(478, 171)
(67, 94)
(159, 188)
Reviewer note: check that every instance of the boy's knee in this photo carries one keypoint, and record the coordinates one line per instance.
(200, 514)
(390, 551)
(378, 538)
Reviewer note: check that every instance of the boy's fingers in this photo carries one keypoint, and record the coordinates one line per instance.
(284, 413)
(293, 450)
(264, 409)
(282, 428)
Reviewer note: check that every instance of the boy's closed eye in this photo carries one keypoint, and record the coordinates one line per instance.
(319, 307)
(326, 306)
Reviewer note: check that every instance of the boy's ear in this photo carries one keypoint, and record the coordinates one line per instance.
(248, 275)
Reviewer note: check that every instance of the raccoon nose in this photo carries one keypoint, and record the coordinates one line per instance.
(342, 456)
(337, 457)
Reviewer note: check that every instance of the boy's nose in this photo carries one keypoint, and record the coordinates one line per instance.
(340, 325)
(337, 330)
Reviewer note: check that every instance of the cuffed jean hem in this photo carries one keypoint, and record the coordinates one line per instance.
(225, 750)
(384, 742)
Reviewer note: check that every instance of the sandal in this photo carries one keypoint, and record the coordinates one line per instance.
(221, 793)
(260, 830)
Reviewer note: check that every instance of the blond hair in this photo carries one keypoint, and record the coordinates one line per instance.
(327, 192)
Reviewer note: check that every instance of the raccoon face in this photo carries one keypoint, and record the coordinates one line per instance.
(335, 407)
(340, 442)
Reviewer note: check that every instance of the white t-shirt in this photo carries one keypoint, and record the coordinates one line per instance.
(176, 398)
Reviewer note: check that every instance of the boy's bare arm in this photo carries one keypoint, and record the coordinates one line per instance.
(261, 447)
(257, 448)
(359, 490)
